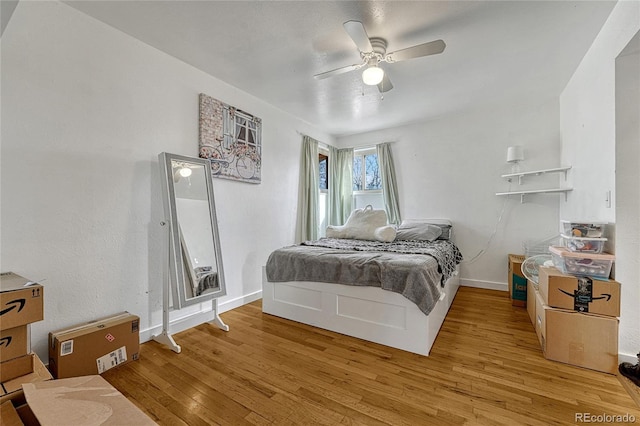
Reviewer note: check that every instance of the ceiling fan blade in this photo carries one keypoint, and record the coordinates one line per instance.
(385, 85)
(425, 49)
(356, 31)
(337, 71)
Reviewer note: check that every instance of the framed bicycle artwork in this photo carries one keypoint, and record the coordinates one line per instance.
(231, 139)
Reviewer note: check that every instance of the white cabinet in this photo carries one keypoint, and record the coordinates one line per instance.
(522, 175)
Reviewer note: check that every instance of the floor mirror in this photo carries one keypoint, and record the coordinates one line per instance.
(193, 273)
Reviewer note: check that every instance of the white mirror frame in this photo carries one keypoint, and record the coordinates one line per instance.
(175, 280)
(179, 280)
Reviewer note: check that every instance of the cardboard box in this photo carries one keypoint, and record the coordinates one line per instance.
(580, 339)
(12, 390)
(16, 367)
(582, 294)
(576, 338)
(540, 318)
(82, 401)
(531, 301)
(517, 281)
(14, 342)
(19, 305)
(27, 416)
(94, 347)
(9, 415)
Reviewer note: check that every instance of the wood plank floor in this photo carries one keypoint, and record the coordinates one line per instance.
(485, 368)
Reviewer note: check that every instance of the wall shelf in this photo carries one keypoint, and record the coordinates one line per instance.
(536, 191)
(521, 175)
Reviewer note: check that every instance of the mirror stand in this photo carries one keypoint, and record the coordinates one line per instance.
(217, 321)
(193, 272)
(165, 336)
(167, 339)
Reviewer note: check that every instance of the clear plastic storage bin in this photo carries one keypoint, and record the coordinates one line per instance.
(583, 229)
(582, 264)
(583, 244)
(540, 247)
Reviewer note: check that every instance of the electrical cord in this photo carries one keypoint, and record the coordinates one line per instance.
(493, 234)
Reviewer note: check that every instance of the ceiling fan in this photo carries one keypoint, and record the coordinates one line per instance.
(373, 50)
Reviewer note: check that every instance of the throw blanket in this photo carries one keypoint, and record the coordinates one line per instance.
(206, 279)
(445, 252)
(415, 269)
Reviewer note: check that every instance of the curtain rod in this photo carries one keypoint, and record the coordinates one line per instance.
(362, 147)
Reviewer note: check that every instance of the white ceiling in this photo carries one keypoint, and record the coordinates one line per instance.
(496, 51)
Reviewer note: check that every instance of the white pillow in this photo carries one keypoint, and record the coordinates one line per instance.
(418, 231)
(364, 224)
(385, 234)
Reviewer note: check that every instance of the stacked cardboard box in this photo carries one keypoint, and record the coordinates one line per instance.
(21, 304)
(86, 400)
(517, 281)
(82, 400)
(576, 319)
(94, 347)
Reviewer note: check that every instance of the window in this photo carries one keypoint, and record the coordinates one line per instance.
(323, 188)
(246, 131)
(366, 173)
(367, 181)
(323, 179)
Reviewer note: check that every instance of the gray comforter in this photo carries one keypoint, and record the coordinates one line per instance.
(414, 269)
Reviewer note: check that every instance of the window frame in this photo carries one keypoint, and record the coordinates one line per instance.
(363, 152)
(323, 194)
(250, 125)
(323, 155)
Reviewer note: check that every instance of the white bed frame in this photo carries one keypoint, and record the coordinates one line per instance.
(368, 313)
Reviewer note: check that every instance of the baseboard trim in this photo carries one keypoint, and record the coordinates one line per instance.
(239, 301)
(196, 318)
(633, 359)
(489, 285)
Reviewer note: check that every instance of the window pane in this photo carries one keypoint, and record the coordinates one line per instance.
(324, 177)
(373, 178)
(357, 172)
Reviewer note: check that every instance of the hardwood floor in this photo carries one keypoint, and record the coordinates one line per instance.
(485, 368)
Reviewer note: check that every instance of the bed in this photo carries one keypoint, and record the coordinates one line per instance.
(396, 294)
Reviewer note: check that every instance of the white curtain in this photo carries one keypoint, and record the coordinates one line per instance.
(308, 191)
(340, 185)
(389, 186)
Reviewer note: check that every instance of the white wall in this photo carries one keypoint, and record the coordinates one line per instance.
(85, 111)
(6, 10)
(451, 167)
(628, 195)
(588, 125)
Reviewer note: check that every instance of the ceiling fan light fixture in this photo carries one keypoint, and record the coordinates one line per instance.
(185, 172)
(372, 75)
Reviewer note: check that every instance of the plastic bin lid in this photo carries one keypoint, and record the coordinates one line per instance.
(564, 252)
(569, 237)
(585, 222)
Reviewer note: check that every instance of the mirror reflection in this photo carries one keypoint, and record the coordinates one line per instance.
(194, 228)
(195, 260)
